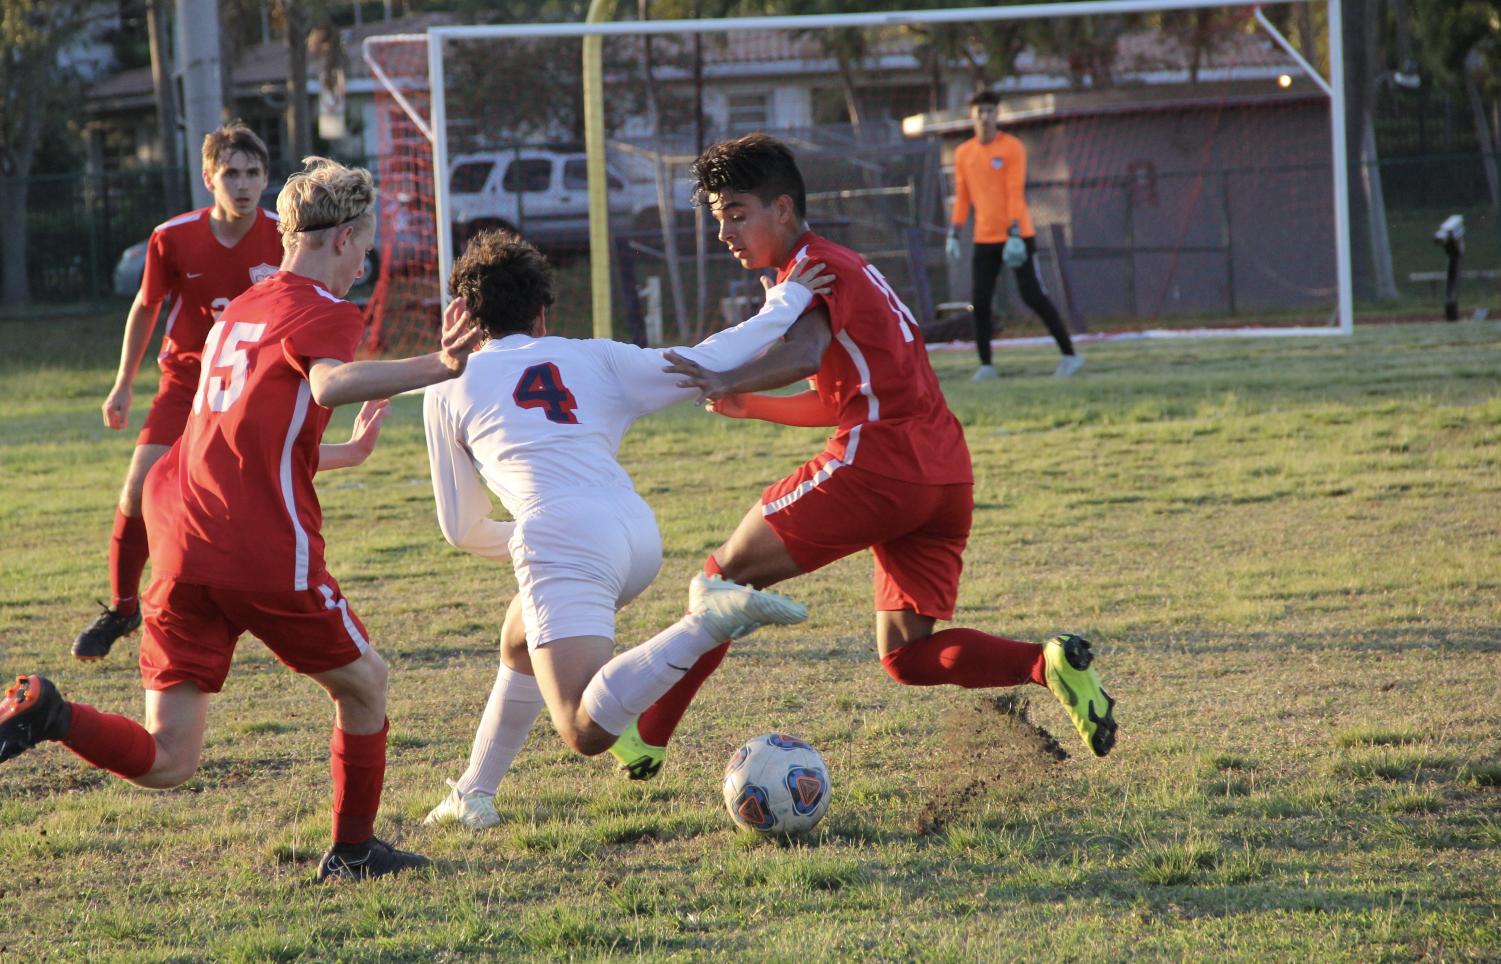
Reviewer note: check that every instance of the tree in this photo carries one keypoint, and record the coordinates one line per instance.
(297, 19)
(34, 90)
(1461, 45)
(1365, 68)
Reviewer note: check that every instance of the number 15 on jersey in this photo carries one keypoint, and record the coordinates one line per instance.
(226, 362)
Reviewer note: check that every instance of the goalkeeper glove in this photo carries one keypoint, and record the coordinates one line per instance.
(951, 246)
(1014, 252)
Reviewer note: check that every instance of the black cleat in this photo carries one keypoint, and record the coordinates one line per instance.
(94, 643)
(32, 711)
(373, 858)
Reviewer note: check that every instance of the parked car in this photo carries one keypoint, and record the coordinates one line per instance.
(542, 194)
(131, 267)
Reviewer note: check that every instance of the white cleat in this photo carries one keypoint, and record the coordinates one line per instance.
(475, 809)
(984, 374)
(1068, 365)
(733, 611)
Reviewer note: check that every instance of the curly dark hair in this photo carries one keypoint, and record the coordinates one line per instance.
(984, 97)
(756, 164)
(504, 280)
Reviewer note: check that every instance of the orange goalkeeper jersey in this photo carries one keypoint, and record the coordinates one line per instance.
(990, 177)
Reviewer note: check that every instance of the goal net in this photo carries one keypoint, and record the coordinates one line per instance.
(1180, 161)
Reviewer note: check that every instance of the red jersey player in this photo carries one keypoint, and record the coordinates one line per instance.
(235, 525)
(201, 260)
(895, 476)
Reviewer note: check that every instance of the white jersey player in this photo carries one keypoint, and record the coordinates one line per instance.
(538, 420)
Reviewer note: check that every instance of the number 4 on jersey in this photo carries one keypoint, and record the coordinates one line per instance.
(540, 386)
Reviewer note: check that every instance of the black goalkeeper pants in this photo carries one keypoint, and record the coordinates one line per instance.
(985, 267)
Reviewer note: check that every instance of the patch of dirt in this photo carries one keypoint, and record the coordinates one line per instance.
(992, 743)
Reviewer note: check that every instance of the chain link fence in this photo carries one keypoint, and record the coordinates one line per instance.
(78, 227)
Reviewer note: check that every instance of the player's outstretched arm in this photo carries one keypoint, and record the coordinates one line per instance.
(139, 324)
(653, 385)
(785, 303)
(340, 383)
(362, 439)
(795, 358)
(806, 409)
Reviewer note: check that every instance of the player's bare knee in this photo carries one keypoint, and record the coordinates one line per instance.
(169, 770)
(592, 741)
(360, 687)
(129, 502)
(514, 653)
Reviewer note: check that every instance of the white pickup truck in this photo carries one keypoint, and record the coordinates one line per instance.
(543, 194)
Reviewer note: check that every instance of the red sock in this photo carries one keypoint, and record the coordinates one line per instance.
(659, 721)
(110, 742)
(359, 768)
(968, 658)
(127, 560)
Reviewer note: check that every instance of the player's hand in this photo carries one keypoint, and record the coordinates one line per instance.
(461, 336)
(116, 407)
(810, 274)
(951, 247)
(1014, 251)
(730, 406)
(367, 425)
(710, 385)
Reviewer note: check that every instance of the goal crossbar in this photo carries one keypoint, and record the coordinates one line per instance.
(1026, 11)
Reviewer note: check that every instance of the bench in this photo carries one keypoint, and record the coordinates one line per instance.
(1436, 279)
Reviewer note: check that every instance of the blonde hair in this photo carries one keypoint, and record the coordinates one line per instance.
(232, 137)
(325, 194)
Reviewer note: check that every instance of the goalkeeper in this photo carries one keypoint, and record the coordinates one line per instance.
(990, 170)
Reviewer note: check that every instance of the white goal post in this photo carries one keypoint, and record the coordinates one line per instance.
(434, 126)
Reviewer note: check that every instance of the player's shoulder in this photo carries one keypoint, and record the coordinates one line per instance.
(181, 220)
(302, 295)
(835, 256)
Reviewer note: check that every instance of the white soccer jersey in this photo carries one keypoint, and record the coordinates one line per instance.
(543, 417)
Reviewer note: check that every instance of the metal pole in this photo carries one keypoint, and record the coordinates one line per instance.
(202, 87)
(1344, 280)
(600, 11)
(438, 114)
(1028, 11)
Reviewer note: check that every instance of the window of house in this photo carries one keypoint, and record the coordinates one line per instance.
(748, 112)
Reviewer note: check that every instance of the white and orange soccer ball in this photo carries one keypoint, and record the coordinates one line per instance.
(776, 784)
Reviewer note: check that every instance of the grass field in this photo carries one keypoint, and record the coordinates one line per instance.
(1288, 552)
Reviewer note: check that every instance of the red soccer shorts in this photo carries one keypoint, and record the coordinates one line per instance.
(191, 631)
(916, 531)
(173, 402)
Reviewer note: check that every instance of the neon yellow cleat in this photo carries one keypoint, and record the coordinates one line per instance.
(1067, 660)
(639, 759)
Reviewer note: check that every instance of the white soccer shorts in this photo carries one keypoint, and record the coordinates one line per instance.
(579, 559)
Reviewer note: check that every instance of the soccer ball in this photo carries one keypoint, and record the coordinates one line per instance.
(776, 784)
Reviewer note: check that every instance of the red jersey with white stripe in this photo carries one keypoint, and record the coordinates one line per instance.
(232, 504)
(186, 261)
(893, 418)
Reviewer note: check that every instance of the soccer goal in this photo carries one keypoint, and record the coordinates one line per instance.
(1186, 167)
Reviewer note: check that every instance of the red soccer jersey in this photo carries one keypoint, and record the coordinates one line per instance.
(893, 418)
(232, 504)
(186, 261)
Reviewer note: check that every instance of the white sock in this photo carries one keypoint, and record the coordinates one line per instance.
(631, 682)
(514, 703)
